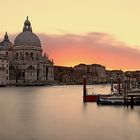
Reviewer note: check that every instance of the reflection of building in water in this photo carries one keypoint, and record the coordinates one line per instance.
(23, 62)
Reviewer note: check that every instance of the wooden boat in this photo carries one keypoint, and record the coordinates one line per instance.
(112, 100)
(119, 100)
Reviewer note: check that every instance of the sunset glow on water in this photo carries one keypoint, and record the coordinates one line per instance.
(50, 113)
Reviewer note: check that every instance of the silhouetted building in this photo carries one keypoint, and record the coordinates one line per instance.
(114, 75)
(95, 73)
(59, 71)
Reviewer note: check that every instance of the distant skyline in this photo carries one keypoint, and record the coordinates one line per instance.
(80, 31)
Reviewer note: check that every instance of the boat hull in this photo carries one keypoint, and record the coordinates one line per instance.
(111, 101)
(118, 100)
(94, 98)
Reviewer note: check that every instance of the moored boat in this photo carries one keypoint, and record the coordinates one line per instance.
(112, 100)
(120, 100)
(94, 97)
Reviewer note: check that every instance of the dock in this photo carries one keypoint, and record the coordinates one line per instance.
(93, 97)
(124, 96)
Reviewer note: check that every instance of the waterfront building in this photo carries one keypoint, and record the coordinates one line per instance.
(25, 58)
(60, 71)
(81, 68)
(115, 74)
(95, 74)
(133, 77)
(4, 70)
(108, 76)
(5, 51)
(133, 74)
(99, 73)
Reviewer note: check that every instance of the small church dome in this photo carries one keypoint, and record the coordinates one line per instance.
(6, 44)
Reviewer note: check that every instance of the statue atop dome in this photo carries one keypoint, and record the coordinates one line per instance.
(6, 38)
(27, 25)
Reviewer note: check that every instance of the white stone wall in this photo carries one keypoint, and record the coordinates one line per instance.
(30, 76)
(50, 73)
(40, 64)
(27, 53)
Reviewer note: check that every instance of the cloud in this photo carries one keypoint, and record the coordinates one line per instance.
(94, 47)
(91, 48)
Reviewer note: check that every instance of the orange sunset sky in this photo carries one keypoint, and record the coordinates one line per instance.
(106, 32)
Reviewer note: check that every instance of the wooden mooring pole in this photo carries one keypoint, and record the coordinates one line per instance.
(112, 85)
(84, 88)
(119, 84)
(132, 102)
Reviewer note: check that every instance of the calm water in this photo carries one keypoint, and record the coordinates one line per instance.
(57, 113)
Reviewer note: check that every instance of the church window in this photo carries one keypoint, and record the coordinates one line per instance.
(11, 68)
(21, 56)
(31, 55)
(31, 67)
(16, 55)
(27, 55)
(23, 74)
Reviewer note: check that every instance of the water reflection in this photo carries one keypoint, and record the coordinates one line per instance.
(58, 113)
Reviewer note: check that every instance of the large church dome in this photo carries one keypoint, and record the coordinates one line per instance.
(27, 37)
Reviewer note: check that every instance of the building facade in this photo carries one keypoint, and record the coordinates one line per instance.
(95, 74)
(4, 70)
(25, 58)
(60, 71)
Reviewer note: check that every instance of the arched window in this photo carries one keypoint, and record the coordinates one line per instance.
(11, 67)
(27, 56)
(31, 56)
(21, 56)
(31, 67)
(16, 55)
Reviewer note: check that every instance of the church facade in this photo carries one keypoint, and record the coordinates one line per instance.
(24, 60)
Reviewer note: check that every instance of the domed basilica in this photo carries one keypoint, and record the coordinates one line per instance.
(23, 61)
